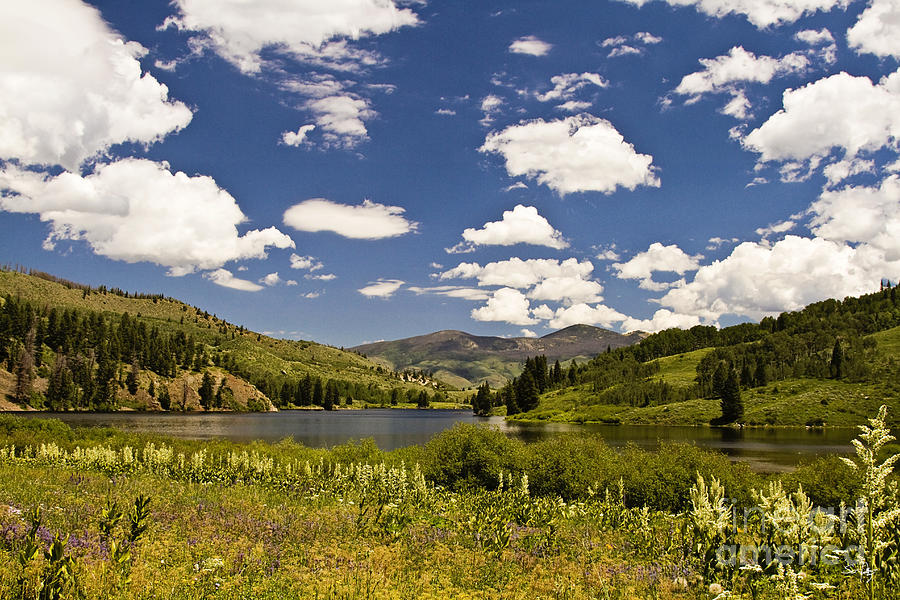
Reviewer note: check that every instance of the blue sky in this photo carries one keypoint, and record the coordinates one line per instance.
(355, 170)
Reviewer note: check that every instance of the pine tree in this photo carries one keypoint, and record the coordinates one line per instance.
(185, 393)
(573, 373)
(23, 369)
(305, 391)
(760, 377)
(286, 393)
(527, 396)
(837, 360)
(60, 386)
(131, 381)
(224, 395)
(556, 376)
(720, 376)
(481, 405)
(732, 404)
(540, 373)
(509, 399)
(318, 396)
(328, 403)
(746, 376)
(165, 402)
(207, 391)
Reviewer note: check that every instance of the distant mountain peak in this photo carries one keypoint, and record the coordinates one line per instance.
(465, 359)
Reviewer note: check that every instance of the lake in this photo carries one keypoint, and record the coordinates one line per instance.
(775, 449)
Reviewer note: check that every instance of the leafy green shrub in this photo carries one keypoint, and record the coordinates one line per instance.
(361, 451)
(469, 456)
(568, 465)
(826, 480)
(54, 427)
(662, 480)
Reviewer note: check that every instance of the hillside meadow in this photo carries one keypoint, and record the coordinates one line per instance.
(831, 364)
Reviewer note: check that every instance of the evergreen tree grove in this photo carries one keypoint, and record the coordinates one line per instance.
(482, 403)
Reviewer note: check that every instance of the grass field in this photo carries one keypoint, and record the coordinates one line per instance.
(681, 369)
(250, 521)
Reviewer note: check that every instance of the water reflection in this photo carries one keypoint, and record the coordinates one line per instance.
(765, 449)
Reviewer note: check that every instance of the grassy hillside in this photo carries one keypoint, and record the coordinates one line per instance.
(792, 402)
(787, 398)
(681, 369)
(263, 353)
(249, 357)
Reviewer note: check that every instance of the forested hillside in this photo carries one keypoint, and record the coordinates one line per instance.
(829, 363)
(65, 346)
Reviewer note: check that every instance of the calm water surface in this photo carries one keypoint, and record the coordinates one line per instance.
(764, 449)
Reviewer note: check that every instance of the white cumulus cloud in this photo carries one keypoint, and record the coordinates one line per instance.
(574, 106)
(383, 288)
(878, 29)
(297, 138)
(308, 263)
(226, 278)
(568, 290)
(342, 119)
(661, 319)
(521, 225)
(762, 13)
(452, 291)
(518, 273)
(491, 107)
(507, 305)
(657, 258)
(530, 45)
(272, 279)
(583, 314)
(729, 72)
(576, 154)
(320, 276)
(856, 243)
(609, 318)
(867, 215)
(843, 112)
(339, 111)
(564, 282)
(814, 37)
(70, 87)
(625, 45)
(567, 84)
(775, 228)
(758, 279)
(366, 221)
(240, 31)
(137, 210)
(841, 170)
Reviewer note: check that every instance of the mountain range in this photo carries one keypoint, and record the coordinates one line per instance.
(464, 360)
